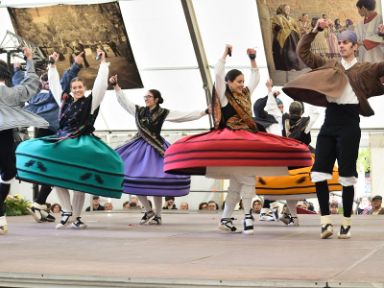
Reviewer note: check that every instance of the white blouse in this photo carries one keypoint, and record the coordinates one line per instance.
(220, 84)
(173, 115)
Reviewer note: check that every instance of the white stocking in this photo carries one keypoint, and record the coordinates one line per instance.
(64, 198)
(232, 199)
(78, 203)
(247, 192)
(158, 204)
(145, 202)
(291, 204)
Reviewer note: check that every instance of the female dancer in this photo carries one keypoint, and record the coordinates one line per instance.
(47, 106)
(234, 150)
(74, 158)
(143, 156)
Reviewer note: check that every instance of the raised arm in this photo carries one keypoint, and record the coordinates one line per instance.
(255, 74)
(271, 107)
(54, 79)
(72, 72)
(129, 106)
(304, 47)
(18, 74)
(30, 84)
(180, 116)
(220, 84)
(101, 83)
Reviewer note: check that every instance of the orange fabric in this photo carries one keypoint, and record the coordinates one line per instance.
(298, 182)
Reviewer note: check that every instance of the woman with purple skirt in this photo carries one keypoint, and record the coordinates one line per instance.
(143, 155)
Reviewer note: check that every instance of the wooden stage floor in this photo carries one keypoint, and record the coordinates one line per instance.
(189, 251)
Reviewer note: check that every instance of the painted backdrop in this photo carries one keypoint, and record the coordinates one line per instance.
(71, 29)
(283, 23)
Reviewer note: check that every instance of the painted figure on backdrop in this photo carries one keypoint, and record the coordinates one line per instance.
(370, 43)
(320, 44)
(286, 35)
(330, 35)
(304, 24)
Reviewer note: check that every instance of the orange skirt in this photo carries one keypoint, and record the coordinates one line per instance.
(297, 183)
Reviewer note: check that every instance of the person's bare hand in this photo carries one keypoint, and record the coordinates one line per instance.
(16, 66)
(27, 53)
(251, 51)
(321, 24)
(209, 109)
(102, 54)
(380, 29)
(113, 80)
(79, 59)
(228, 50)
(55, 56)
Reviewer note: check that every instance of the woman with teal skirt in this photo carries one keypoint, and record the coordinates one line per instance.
(74, 158)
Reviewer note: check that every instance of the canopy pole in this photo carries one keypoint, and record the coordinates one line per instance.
(198, 46)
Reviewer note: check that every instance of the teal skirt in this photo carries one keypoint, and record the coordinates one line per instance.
(84, 164)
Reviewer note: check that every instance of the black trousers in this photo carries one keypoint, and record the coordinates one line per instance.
(7, 155)
(7, 164)
(339, 139)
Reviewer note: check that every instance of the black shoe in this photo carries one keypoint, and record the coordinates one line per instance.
(78, 224)
(40, 213)
(65, 216)
(345, 232)
(50, 218)
(3, 225)
(289, 220)
(226, 224)
(35, 213)
(147, 216)
(326, 231)
(248, 224)
(156, 220)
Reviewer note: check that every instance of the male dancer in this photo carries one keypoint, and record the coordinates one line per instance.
(12, 116)
(343, 87)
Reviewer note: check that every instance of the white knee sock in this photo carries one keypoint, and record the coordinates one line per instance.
(158, 204)
(78, 203)
(232, 199)
(247, 192)
(291, 204)
(145, 202)
(64, 198)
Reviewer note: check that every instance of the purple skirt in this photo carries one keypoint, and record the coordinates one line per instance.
(144, 171)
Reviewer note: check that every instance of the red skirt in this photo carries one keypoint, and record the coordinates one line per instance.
(234, 148)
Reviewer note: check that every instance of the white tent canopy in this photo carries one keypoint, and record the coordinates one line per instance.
(166, 60)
